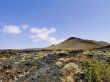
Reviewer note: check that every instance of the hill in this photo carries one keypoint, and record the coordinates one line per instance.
(73, 43)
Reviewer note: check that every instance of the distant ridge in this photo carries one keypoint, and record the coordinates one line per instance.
(73, 43)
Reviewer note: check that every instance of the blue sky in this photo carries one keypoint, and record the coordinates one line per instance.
(39, 23)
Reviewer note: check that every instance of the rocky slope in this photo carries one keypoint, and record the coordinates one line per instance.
(47, 66)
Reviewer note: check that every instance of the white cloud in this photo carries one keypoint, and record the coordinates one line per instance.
(12, 29)
(41, 33)
(44, 34)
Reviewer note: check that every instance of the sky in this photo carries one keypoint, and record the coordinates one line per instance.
(40, 23)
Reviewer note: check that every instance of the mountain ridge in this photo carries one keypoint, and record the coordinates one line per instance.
(78, 43)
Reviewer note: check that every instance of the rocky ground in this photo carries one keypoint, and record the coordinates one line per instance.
(47, 66)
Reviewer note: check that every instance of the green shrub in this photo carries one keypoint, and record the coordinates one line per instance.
(96, 71)
(108, 58)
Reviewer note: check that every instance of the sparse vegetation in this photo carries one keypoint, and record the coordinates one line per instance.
(67, 65)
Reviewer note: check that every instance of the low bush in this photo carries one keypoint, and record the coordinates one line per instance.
(96, 71)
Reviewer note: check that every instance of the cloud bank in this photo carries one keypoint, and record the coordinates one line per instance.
(37, 34)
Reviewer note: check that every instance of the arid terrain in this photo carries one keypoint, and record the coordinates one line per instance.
(74, 60)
